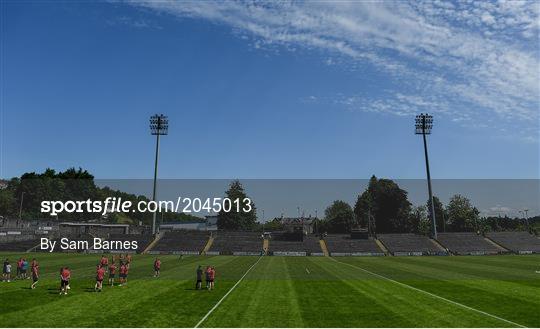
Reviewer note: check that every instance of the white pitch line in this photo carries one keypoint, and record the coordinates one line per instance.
(432, 295)
(308, 272)
(227, 294)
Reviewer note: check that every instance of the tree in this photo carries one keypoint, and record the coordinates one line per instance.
(8, 203)
(440, 213)
(462, 216)
(419, 220)
(338, 217)
(272, 225)
(362, 209)
(72, 184)
(387, 203)
(234, 219)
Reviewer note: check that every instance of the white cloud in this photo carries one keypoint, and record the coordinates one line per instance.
(467, 60)
(498, 210)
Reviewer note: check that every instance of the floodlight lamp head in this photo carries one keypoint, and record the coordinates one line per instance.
(423, 124)
(159, 124)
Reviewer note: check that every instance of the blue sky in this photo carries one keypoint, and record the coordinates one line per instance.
(271, 90)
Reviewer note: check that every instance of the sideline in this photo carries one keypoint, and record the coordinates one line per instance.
(431, 294)
(227, 294)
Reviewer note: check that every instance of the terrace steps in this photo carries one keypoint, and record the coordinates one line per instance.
(266, 244)
(501, 248)
(33, 249)
(438, 245)
(383, 247)
(324, 248)
(153, 243)
(208, 245)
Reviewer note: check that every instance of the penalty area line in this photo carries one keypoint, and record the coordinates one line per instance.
(431, 294)
(227, 294)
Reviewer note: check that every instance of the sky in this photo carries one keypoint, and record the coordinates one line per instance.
(271, 89)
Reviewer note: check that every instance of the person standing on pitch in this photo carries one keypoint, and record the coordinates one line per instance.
(208, 272)
(24, 269)
(212, 277)
(199, 278)
(157, 267)
(112, 273)
(65, 276)
(6, 273)
(100, 274)
(104, 261)
(123, 271)
(35, 273)
(19, 265)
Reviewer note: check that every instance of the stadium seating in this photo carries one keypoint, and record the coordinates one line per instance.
(181, 241)
(409, 244)
(467, 243)
(518, 242)
(312, 245)
(19, 246)
(237, 242)
(342, 244)
(142, 240)
(81, 237)
(282, 245)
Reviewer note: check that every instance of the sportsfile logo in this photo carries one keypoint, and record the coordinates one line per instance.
(112, 204)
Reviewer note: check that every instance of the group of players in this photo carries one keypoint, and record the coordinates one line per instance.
(22, 269)
(209, 273)
(123, 269)
(102, 267)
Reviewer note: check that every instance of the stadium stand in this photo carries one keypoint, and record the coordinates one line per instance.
(343, 245)
(81, 237)
(19, 246)
(467, 243)
(409, 244)
(312, 245)
(237, 243)
(142, 240)
(518, 242)
(282, 244)
(181, 242)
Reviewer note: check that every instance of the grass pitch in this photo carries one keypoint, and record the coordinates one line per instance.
(479, 291)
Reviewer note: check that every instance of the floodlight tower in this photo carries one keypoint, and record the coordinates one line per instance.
(159, 125)
(424, 124)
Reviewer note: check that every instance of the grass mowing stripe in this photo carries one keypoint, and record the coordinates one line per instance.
(432, 295)
(227, 294)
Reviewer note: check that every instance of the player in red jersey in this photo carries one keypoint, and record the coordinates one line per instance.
(128, 265)
(19, 268)
(104, 261)
(65, 276)
(157, 267)
(100, 274)
(123, 273)
(112, 273)
(128, 258)
(212, 276)
(35, 273)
